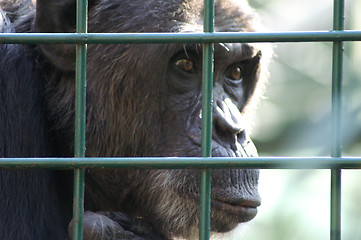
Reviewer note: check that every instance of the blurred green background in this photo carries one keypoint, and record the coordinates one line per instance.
(294, 120)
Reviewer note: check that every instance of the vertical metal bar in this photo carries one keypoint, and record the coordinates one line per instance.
(337, 65)
(207, 108)
(80, 115)
(335, 233)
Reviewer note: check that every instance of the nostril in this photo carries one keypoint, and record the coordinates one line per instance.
(227, 118)
(219, 130)
(224, 130)
(226, 125)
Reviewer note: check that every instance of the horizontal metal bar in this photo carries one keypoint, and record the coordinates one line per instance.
(111, 38)
(184, 162)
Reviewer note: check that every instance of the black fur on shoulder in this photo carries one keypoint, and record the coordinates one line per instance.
(30, 207)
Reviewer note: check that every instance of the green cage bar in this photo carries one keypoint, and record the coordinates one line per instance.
(80, 115)
(207, 108)
(337, 64)
(215, 37)
(206, 149)
(183, 162)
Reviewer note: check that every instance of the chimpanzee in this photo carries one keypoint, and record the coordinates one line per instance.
(142, 100)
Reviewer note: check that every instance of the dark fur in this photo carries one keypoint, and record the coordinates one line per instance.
(133, 109)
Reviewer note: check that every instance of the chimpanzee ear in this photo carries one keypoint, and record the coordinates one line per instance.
(57, 16)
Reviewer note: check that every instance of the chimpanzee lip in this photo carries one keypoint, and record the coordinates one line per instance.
(245, 210)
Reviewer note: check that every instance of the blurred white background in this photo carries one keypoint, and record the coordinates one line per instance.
(294, 120)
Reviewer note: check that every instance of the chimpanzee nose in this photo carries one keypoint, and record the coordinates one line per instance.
(227, 119)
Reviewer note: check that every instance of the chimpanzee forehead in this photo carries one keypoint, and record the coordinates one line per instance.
(230, 16)
(168, 16)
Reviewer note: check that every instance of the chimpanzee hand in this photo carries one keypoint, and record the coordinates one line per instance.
(116, 226)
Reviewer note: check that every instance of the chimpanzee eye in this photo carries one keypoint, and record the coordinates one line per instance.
(234, 74)
(185, 64)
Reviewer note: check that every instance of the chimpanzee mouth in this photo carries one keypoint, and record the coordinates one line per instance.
(239, 210)
(244, 210)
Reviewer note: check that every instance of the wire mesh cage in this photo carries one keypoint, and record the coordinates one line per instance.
(79, 163)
